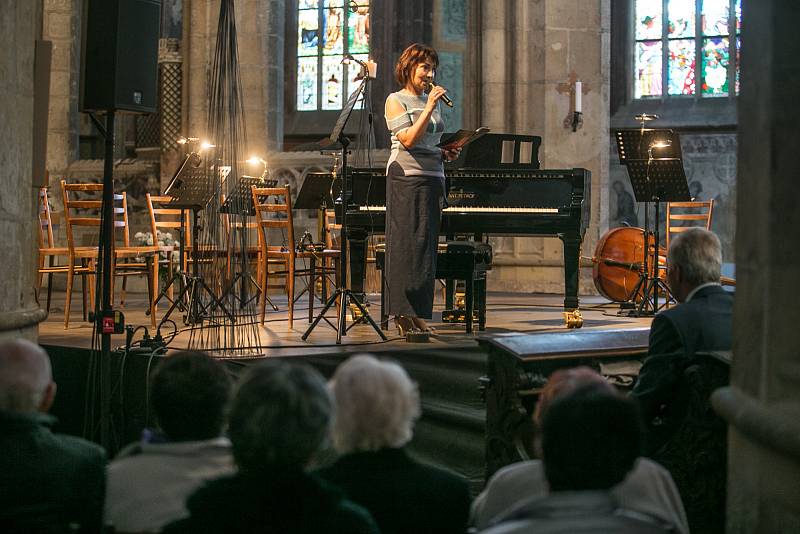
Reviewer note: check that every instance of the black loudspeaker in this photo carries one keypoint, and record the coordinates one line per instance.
(119, 56)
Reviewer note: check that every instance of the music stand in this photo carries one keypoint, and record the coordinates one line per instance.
(191, 189)
(188, 177)
(343, 292)
(657, 175)
(239, 203)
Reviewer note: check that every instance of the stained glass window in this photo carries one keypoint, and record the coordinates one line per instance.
(327, 31)
(689, 47)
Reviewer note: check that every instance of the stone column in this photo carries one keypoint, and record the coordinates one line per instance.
(61, 26)
(260, 67)
(530, 54)
(272, 25)
(19, 312)
(762, 405)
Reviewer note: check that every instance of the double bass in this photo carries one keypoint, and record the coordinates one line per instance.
(619, 264)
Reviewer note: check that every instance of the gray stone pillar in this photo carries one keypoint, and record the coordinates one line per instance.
(762, 405)
(273, 29)
(19, 312)
(61, 26)
(530, 54)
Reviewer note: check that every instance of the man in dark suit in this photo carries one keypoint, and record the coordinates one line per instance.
(675, 384)
(701, 322)
(50, 482)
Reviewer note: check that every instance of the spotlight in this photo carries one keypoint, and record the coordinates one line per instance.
(206, 145)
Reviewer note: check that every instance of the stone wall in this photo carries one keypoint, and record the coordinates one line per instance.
(529, 55)
(710, 166)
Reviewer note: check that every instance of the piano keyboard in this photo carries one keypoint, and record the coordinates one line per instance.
(473, 209)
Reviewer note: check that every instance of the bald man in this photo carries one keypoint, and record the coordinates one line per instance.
(50, 482)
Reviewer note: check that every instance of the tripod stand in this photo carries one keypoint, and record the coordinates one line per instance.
(654, 180)
(343, 293)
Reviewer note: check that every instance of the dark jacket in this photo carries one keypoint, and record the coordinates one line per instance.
(401, 494)
(48, 481)
(280, 502)
(702, 324)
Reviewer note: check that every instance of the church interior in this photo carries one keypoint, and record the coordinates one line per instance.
(222, 178)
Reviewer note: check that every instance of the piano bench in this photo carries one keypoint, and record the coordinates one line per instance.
(455, 260)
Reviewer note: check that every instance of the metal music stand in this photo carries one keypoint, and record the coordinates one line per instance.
(239, 203)
(343, 292)
(655, 168)
(191, 188)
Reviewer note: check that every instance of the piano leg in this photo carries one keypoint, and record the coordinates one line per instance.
(572, 250)
(357, 243)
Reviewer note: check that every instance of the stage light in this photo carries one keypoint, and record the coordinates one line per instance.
(182, 140)
(206, 145)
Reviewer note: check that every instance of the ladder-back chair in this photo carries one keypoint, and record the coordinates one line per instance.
(273, 211)
(82, 209)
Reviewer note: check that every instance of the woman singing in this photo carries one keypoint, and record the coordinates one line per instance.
(415, 189)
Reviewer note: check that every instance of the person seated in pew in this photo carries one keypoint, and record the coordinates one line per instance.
(149, 481)
(590, 442)
(50, 482)
(376, 407)
(648, 488)
(279, 418)
(702, 321)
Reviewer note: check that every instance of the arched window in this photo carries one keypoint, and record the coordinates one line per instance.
(327, 31)
(670, 36)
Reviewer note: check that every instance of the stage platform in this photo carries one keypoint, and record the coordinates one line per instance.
(452, 430)
(506, 312)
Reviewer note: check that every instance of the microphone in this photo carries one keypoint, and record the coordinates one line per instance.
(444, 98)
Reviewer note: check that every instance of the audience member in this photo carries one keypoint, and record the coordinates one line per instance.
(590, 442)
(279, 418)
(701, 322)
(376, 406)
(675, 384)
(50, 482)
(148, 482)
(647, 489)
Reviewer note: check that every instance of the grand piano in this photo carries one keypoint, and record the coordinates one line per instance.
(495, 188)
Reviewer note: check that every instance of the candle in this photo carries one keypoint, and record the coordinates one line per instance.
(578, 95)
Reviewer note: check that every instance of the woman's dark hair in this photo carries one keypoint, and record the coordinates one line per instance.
(410, 58)
(189, 393)
(590, 439)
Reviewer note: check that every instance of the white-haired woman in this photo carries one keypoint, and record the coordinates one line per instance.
(376, 405)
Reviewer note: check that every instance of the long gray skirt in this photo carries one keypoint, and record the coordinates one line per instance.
(413, 218)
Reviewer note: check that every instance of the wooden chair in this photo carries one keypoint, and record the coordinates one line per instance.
(51, 253)
(169, 220)
(699, 213)
(278, 215)
(680, 217)
(86, 212)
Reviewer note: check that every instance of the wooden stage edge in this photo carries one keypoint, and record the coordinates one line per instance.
(507, 313)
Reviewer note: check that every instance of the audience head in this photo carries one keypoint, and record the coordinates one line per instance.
(590, 439)
(412, 56)
(564, 382)
(26, 379)
(376, 405)
(189, 393)
(694, 258)
(279, 418)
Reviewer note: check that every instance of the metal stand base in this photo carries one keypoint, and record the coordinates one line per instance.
(347, 298)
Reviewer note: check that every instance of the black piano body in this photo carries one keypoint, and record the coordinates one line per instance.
(484, 202)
